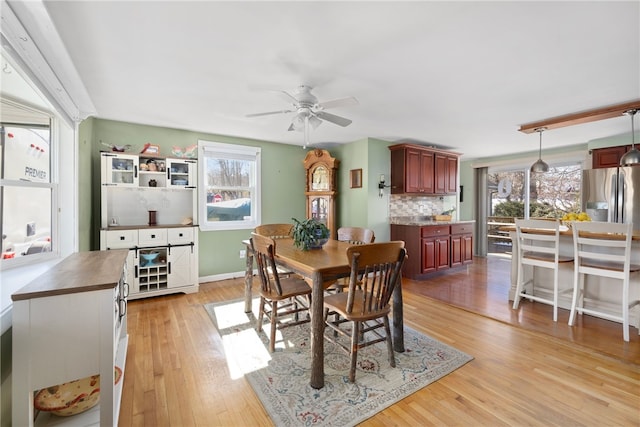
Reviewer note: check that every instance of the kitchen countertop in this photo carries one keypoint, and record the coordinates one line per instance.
(424, 221)
(79, 272)
(145, 226)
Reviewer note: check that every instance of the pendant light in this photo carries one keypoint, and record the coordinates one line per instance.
(540, 166)
(631, 157)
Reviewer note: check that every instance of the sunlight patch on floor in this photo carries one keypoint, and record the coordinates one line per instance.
(244, 352)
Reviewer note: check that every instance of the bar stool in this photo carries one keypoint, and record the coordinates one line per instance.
(539, 246)
(603, 249)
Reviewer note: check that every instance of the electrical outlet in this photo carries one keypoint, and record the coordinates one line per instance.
(421, 208)
(243, 253)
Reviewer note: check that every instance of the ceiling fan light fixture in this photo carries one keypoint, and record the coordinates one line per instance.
(540, 166)
(631, 157)
(298, 121)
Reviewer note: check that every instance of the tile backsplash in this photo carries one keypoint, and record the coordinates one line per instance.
(403, 205)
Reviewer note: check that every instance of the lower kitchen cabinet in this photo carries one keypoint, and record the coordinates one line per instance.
(461, 244)
(434, 248)
(164, 260)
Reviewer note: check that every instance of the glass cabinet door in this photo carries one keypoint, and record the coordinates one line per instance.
(320, 208)
(120, 169)
(181, 173)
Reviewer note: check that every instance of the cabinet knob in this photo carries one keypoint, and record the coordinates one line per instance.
(121, 237)
(153, 236)
(181, 235)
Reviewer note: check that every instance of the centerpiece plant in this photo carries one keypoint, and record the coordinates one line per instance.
(309, 233)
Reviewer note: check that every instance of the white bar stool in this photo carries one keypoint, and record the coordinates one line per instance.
(603, 249)
(539, 246)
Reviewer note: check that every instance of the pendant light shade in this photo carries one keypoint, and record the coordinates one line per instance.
(540, 166)
(631, 157)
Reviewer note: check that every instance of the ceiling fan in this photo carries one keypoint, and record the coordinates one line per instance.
(309, 111)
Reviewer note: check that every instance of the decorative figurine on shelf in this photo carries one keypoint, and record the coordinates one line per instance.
(117, 148)
(189, 152)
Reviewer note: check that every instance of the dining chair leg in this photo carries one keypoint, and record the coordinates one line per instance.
(578, 296)
(272, 332)
(387, 329)
(516, 296)
(355, 335)
(260, 315)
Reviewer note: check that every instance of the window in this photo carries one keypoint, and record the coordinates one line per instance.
(516, 193)
(229, 186)
(28, 191)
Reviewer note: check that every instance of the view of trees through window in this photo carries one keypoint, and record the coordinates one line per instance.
(550, 195)
(229, 194)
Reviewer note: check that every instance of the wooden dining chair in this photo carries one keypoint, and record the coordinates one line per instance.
(355, 236)
(276, 232)
(282, 299)
(363, 311)
(603, 249)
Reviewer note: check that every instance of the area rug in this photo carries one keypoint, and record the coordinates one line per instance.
(281, 379)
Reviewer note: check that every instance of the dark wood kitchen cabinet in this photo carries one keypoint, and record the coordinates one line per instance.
(446, 173)
(435, 248)
(608, 157)
(461, 244)
(423, 171)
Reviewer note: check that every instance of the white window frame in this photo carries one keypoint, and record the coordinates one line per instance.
(208, 149)
(52, 185)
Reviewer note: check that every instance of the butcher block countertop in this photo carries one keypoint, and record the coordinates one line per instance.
(79, 272)
(421, 221)
(565, 231)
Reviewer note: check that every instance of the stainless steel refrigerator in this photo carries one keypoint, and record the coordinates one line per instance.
(612, 194)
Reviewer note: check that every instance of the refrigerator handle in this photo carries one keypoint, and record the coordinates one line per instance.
(613, 200)
(622, 191)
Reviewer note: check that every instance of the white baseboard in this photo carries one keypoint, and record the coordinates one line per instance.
(224, 276)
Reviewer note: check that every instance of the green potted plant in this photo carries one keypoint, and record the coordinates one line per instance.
(309, 234)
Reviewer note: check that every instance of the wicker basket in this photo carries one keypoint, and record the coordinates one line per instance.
(443, 217)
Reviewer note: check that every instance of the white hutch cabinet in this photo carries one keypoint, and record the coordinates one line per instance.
(152, 212)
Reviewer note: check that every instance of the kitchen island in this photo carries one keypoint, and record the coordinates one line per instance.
(433, 246)
(600, 291)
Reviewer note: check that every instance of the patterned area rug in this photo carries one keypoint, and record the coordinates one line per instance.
(281, 379)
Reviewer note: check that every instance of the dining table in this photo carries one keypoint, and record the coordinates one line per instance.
(319, 267)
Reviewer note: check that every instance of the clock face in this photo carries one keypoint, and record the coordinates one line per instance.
(320, 180)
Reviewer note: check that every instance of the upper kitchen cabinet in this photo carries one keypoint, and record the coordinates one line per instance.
(423, 171)
(119, 169)
(608, 157)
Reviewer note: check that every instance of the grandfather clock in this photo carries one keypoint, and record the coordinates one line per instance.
(321, 188)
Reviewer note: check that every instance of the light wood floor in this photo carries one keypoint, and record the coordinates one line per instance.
(176, 373)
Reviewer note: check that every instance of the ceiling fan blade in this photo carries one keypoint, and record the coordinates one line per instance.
(269, 113)
(287, 97)
(340, 121)
(342, 102)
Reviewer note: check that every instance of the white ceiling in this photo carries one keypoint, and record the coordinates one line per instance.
(459, 75)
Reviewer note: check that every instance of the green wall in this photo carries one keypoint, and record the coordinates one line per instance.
(361, 207)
